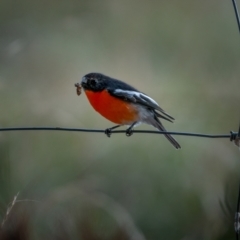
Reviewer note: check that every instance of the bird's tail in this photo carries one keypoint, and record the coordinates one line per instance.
(157, 124)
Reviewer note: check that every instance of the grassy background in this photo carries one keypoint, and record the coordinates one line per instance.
(185, 54)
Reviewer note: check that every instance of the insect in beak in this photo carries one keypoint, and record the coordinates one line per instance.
(78, 88)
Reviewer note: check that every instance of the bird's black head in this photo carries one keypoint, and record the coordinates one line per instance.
(97, 82)
(94, 81)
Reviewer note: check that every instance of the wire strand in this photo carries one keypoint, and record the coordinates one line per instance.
(231, 135)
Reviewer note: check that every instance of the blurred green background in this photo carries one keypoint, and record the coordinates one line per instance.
(185, 54)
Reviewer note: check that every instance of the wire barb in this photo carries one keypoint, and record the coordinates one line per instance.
(235, 137)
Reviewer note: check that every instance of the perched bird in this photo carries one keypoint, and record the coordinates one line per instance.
(123, 104)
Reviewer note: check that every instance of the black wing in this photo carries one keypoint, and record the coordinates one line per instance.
(142, 99)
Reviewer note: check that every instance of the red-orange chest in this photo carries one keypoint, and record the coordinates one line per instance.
(112, 108)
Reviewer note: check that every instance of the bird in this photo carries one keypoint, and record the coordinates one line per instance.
(123, 104)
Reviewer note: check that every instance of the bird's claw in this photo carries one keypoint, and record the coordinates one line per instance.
(108, 132)
(129, 132)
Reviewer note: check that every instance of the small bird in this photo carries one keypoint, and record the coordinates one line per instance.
(123, 104)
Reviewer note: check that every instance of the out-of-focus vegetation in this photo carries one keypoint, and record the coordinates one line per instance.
(185, 54)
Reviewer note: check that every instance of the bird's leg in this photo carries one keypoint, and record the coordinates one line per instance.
(129, 130)
(108, 131)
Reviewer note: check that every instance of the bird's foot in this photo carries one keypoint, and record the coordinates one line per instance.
(108, 132)
(129, 132)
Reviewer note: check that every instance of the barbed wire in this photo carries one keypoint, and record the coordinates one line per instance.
(231, 136)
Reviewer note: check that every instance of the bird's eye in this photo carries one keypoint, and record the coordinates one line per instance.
(93, 82)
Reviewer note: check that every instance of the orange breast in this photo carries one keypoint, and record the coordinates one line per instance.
(112, 108)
